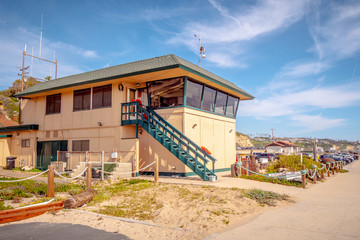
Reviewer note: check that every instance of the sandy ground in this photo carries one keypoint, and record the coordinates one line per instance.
(187, 211)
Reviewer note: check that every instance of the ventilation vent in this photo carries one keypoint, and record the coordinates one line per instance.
(47, 134)
(55, 134)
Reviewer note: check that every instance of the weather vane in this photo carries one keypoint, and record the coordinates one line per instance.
(201, 50)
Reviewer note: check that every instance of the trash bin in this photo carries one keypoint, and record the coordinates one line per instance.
(95, 172)
(10, 162)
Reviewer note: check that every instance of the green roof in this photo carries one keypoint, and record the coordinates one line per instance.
(130, 69)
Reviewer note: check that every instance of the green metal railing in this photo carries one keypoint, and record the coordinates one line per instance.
(176, 142)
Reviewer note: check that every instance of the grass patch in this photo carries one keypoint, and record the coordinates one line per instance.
(31, 170)
(266, 197)
(343, 171)
(3, 207)
(272, 180)
(28, 188)
(141, 208)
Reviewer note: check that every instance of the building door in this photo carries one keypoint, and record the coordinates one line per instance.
(132, 94)
(47, 152)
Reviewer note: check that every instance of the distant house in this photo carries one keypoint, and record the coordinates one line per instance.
(282, 147)
(5, 122)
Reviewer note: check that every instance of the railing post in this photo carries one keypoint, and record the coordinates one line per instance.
(88, 176)
(303, 177)
(50, 187)
(156, 173)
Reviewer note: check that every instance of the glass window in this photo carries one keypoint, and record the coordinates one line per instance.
(166, 93)
(193, 94)
(53, 104)
(102, 96)
(82, 99)
(25, 143)
(209, 99)
(231, 106)
(80, 145)
(220, 103)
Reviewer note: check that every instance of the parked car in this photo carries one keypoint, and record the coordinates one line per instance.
(266, 157)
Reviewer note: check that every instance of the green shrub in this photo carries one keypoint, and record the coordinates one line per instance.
(292, 163)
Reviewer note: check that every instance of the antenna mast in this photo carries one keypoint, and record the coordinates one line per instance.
(201, 50)
(41, 35)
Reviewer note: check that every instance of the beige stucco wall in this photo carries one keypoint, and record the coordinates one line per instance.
(215, 132)
(80, 125)
(5, 144)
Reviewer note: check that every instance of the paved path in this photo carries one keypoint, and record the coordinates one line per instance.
(328, 210)
(58, 231)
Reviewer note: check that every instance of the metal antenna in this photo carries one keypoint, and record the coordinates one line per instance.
(32, 60)
(201, 50)
(41, 35)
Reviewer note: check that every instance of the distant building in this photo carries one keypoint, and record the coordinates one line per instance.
(282, 147)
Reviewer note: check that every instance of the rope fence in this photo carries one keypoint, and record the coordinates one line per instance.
(311, 174)
(23, 179)
(129, 172)
(71, 178)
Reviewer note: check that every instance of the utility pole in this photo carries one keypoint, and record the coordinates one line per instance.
(315, 149)
(272, 134)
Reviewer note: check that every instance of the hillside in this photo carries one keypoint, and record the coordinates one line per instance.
(9, 104)
(243, 141)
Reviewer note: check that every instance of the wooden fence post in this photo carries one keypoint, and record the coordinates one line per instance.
(328, 173)
(57, 160)
(303, 177)
(322, 173)
(156, 173)
(102, 166)
(50, 187)
(337, 169)
(88, 176)
(315, 176)
(333, 170)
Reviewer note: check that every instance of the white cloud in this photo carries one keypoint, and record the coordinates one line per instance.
(335, 29)
(263, 18)
(297, 102)
(311, 123)
(73, 49)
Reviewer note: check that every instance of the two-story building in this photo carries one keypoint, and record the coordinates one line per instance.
(183, 108)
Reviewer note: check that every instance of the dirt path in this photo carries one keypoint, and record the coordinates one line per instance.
(326, 211)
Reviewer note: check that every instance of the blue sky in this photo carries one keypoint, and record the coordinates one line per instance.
(300, 59)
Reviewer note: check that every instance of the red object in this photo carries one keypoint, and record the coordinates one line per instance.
(137, 100)
(206, 150)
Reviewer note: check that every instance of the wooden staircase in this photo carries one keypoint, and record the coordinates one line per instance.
(172, 139)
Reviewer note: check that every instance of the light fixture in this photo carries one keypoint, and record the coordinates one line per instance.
(140, 131)
(230, 131)
(138, 84)
(99, 124)
(194, 126)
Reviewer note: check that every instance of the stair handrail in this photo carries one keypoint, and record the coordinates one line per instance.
(184, 143)
(181, 135)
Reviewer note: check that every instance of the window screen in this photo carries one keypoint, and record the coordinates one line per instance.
(209, 99)
(102, 96)
(193, 94)
(231, 106)
(166, 93)
(80, 145)
(220, 103)
(53, 104)
(82, 99)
